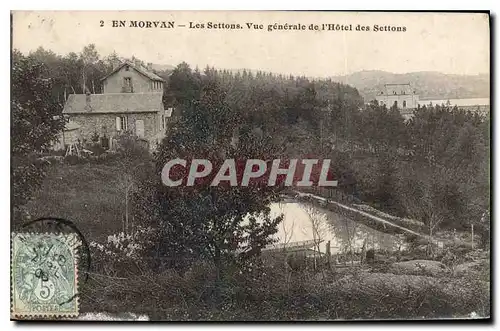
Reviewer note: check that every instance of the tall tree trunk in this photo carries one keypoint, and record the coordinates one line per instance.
(84, 87)
(218, 265)
(429, 245)
(217, 262)
(126, 205)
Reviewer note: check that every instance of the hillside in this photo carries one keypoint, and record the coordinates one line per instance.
(429, 84)
(163, 67)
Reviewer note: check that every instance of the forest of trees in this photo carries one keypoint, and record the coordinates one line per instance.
(433, 168)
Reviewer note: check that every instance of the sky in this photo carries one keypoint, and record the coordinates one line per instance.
(453, 43)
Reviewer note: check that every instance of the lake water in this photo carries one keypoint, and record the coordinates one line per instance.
(457, 102)
(341, 231)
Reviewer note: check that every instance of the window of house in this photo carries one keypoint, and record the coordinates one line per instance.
(124, 122)
(121, 123)
(127, 68)
(127, 84)
(404, 103)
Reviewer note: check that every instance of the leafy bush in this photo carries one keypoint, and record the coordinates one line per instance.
(74, 159)
(96, 149)
(121, 251)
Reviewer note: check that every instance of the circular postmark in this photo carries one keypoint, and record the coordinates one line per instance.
(61, 225)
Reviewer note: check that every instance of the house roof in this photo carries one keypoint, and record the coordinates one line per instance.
(399, 89)
(114, 103)
(149, 74)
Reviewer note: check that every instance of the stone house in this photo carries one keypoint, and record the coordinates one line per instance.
(132, 102)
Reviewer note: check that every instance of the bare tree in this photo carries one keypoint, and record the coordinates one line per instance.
(350, 231)
(319, 229)
(89, 56)
(133, 156)
(423, 203)
(287, 238)
(286, 228)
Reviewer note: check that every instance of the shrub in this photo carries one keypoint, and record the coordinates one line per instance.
(122, 251)
(96, 149)
(74, 159)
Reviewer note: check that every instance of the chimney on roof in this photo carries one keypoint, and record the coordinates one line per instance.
(150, 66)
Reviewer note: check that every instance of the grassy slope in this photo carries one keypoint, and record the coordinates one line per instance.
(89, 195)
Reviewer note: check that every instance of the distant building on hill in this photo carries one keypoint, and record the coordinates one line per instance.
(406, 99)
(402, 96)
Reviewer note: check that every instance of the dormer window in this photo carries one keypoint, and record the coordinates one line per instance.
(127, 85)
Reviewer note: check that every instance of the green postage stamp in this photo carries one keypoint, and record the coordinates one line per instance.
(44, 275)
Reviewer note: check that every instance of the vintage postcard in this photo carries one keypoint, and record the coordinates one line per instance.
(250, 165)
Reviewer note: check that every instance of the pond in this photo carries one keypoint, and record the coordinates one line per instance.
(458, 102)
(304, 221)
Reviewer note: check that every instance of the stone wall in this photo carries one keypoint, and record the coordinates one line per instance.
(105, 124)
